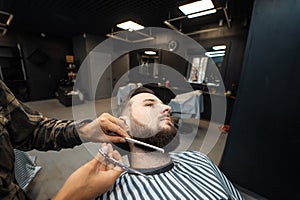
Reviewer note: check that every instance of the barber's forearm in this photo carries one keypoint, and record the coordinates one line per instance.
(53, 134)
(49, 134)
(29, 129)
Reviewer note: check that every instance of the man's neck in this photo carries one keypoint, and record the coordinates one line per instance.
(146, 160)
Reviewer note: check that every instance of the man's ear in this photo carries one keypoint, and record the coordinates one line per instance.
(125, 119)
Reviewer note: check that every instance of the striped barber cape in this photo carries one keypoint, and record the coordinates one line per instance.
(191, 175)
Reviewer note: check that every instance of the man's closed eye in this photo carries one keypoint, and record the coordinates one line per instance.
(149, 104)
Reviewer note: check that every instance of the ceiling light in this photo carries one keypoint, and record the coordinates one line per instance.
(215, 53)
(150, 52)
(197, 6)
(130, 25)
(219, 47)
(207, 12)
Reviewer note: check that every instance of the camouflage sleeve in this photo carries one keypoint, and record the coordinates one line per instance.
(29, 129)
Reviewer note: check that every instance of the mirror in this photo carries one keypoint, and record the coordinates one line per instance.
(199, 70)
(148, 60)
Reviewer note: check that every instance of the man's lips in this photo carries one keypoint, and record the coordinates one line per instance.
(168, 119)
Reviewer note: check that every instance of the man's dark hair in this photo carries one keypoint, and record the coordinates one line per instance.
(139, 90)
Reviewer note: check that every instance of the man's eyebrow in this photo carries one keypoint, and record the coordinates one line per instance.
(152, 100)
(149, 100)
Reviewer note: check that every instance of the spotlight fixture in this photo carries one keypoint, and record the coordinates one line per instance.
(2, 31)
(5, 18)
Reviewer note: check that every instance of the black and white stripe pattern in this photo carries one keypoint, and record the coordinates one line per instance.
(25, 168)
(193, 176)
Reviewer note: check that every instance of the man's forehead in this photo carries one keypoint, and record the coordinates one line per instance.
(143, 97)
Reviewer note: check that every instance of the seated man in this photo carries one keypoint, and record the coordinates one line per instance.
(183, 175)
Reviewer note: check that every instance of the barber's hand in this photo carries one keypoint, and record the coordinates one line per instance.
(92, 179)
(97, 130)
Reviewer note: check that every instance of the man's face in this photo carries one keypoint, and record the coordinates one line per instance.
(150, 120)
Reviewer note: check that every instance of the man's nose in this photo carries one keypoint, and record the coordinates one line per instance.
(166, 108)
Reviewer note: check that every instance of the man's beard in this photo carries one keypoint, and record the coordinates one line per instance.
(167, 138)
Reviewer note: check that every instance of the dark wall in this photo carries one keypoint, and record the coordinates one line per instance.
(83, 44)
(79, 48)
(119, 67)
(43, 78)
(174, 61)
(262, 150)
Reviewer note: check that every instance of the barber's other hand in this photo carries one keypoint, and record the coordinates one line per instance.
(92, 179)
(97, 130)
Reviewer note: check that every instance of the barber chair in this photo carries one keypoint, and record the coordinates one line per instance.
(68, 97)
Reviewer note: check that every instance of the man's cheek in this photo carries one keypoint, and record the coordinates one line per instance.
(149, 118)
(140, 116)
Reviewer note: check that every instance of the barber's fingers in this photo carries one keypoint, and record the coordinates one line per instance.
(103, 163)
(115, 139)
(109, 123)
(100, 162)
(98, 156)
(111, 166)
(109, 148)
(115, 155)
(118, 126)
